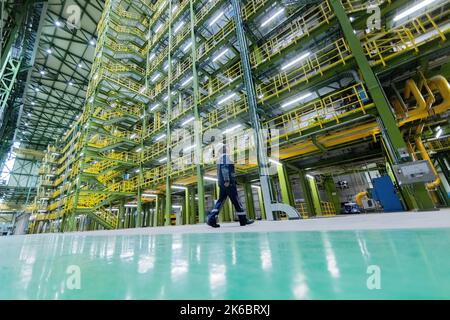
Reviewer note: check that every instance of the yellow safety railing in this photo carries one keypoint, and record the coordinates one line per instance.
(327, 208)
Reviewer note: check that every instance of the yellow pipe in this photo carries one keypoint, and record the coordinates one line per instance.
(439, 83)
(424, 153)
(411, 88)
(359, 198)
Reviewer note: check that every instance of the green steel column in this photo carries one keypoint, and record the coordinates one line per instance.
(249, 204)
(332, 193)
(393, 135)
(168, 208)
(307, 194)
(446, 174)
(261, 204)
(122, 214)
(315, 195)
(262, 158)
(198, 123)
(156, 213)
(192, 215)
(285, 185)
(186, 207)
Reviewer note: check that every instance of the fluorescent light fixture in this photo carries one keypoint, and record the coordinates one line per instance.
(92, 42)
(49, 51)
(158, 28)
(295, 61)
(57, 23)
(273, 17)
(151, 56)
(179, 188)
(178, 27)
(290, 103)
(142, 89)
(138, 150)
(80, 65)
(137, 170)
(254, 186)
(275, 162)
(154, 107)
(220, 55)
(174, 8)
(417, 7)
(188, 121)
(439, 133)
(232, 128)
(227, 98)
(148, 195)
(160, 137)
(70, 83)
(33, 103)
(189, 148)
(42, 72)
(187, 81)
(130, 206)
(186, 48)
(220, 15)
(156, 77)
(162, 160)
(37, 89)
(309, 176)
(210, 178)
(134, 135)
(177, 207)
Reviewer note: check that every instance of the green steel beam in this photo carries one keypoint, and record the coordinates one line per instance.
(307, 194)
(285, 185)
(249, 203)
(332, 192)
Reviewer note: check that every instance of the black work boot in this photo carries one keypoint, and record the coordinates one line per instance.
(243, 220)
(212, 221)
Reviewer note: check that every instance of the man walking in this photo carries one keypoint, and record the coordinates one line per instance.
(228, 188)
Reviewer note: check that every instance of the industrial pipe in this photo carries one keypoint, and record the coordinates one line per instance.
(425, 156)
(411, 88)
(359, 198)
(439, 83)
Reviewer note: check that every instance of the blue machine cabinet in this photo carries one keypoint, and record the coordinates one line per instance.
(384, 192)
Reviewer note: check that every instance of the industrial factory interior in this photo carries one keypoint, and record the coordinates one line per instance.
(224, 150)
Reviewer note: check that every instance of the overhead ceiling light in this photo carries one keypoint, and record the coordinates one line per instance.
(220, 55)
(174, 8)
(160, 137)
(178, 27)
(290, 103)
(417, 7)
(186, 48)
(254, 186)
(295, 61)
(210, 179)
(188, 121)
(57, 23)
(439, 133)
(158, 28)
(36, 89)
(42, 72)
(154, 107)
(80, 65)
(227, 98)
(92, 42)
(220, 15)
(162, 160)
(232, 129)
(70, 83)
(309, 176)
(189, 148)
(49, 51)
(179, 188)
(156, 77)
(187, 81)
(274, 16)
(148, 195)
(275, 162)
(138, 150)
(137, 170)
(134, 135)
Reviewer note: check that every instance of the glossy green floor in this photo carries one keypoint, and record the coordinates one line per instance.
(413, 263)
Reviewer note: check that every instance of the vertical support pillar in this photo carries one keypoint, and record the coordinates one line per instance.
(249, 204)
(446, 174)
(285, 185)
(122, 214)
(332, 193)
(261, 204)
(307, 195)
(168, 209)
(315, 195)
(186, 206)
(391, 133)
(198, 124)
(263, 161)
